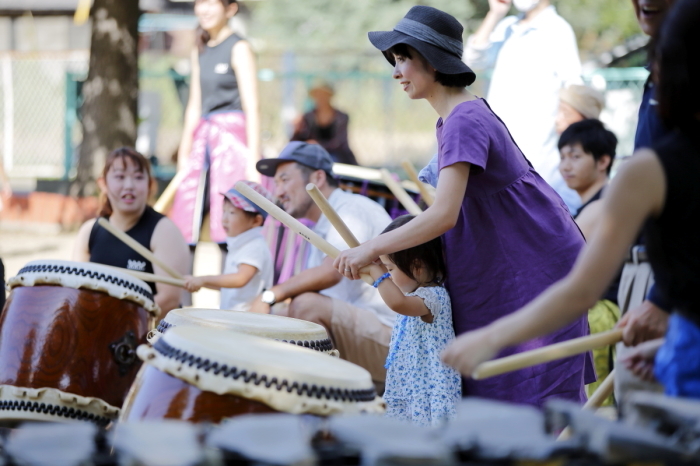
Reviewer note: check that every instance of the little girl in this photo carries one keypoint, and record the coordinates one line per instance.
(419, 388)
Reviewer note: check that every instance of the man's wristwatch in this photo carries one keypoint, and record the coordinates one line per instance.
(268, 297)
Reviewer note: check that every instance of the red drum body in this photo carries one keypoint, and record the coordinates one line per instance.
(207, 374)
(158, 395)
(68, 338)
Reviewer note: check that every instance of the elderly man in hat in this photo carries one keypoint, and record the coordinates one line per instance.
(353, 312)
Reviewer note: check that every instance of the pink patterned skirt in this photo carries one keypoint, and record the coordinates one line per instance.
(219, 152)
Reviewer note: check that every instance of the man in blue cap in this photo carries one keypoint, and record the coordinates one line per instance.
(352, 312)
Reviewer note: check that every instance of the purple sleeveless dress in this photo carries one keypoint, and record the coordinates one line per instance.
(513, 239)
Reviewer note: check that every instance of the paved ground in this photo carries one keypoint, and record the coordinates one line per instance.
(19, 247)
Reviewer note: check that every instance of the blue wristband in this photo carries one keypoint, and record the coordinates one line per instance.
(381, 279)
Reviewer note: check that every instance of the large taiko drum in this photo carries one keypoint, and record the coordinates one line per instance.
(286, 329)
(202, 374)
(68, 338)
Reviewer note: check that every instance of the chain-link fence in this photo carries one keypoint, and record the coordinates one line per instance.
(39, 127)
(33, 112)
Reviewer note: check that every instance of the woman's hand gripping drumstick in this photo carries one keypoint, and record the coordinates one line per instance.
(422, 187)
(293, 224)
(136, 246)
(548, 353)
(400, 193)
(150, 277)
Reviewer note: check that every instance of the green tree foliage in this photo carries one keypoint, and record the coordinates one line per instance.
(314, 25)
(335, 24)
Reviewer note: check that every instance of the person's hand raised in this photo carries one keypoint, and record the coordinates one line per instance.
(499, 8)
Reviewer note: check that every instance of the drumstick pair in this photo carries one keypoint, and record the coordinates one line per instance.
(297, 227)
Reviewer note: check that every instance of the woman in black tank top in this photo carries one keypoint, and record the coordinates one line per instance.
(656, 190)
(220, 140)
(125, 184)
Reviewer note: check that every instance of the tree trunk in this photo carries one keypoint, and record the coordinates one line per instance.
(110, 93)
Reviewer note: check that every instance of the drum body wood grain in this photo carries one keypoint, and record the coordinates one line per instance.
(157, 395)
(68, 338)
(64, 338)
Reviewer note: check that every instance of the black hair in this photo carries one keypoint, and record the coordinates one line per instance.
(427, 255)
(202, 36)
(676, 68)
(306, 172)
(594, 138)
(448, 80)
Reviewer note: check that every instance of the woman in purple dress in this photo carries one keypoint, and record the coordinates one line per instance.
(507, 234)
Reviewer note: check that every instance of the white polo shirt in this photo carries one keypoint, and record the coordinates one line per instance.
(365, 219)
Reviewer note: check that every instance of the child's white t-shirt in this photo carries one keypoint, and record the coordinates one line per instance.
(249, 248)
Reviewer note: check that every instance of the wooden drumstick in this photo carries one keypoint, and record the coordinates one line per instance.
(400, 193)
(546, 354)
(603, 391)
(168, 195)
(290, 222)
(331, 215)
(413, 176)
(136, 246)
(150, 277)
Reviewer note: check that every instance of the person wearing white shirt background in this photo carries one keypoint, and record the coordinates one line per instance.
(533, 56)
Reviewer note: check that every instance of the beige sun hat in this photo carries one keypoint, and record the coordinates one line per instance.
(584, 99)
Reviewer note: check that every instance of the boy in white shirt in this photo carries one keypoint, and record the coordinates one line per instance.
(248, 270)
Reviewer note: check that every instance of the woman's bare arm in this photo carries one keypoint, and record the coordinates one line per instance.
(168, 245)
(243, 63)
(430, 224)
(81, 252)
(193, 112)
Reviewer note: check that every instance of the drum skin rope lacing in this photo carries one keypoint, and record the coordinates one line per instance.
(233, 372)
(87, 273)
(48, 408)
(318, 345)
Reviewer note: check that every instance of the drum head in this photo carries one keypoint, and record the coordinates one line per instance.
(86, 275)
(284, 377)
(286, 329)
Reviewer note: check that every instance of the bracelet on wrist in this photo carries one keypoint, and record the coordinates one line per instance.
(379, 280)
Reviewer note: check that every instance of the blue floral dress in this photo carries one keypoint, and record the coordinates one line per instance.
(419, 387)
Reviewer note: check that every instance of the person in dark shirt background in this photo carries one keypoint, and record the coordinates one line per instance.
(325, 125)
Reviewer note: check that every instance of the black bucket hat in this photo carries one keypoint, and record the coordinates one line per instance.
(435, 34)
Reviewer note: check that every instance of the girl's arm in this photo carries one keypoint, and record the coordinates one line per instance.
(239, 279)
(430, 224)
(637, 192)
(243, 64)
(193, 112)
(396, 300)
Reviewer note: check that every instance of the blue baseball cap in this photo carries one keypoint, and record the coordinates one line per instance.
(310, 155)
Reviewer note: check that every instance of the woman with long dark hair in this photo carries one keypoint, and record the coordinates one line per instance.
(221, 137)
